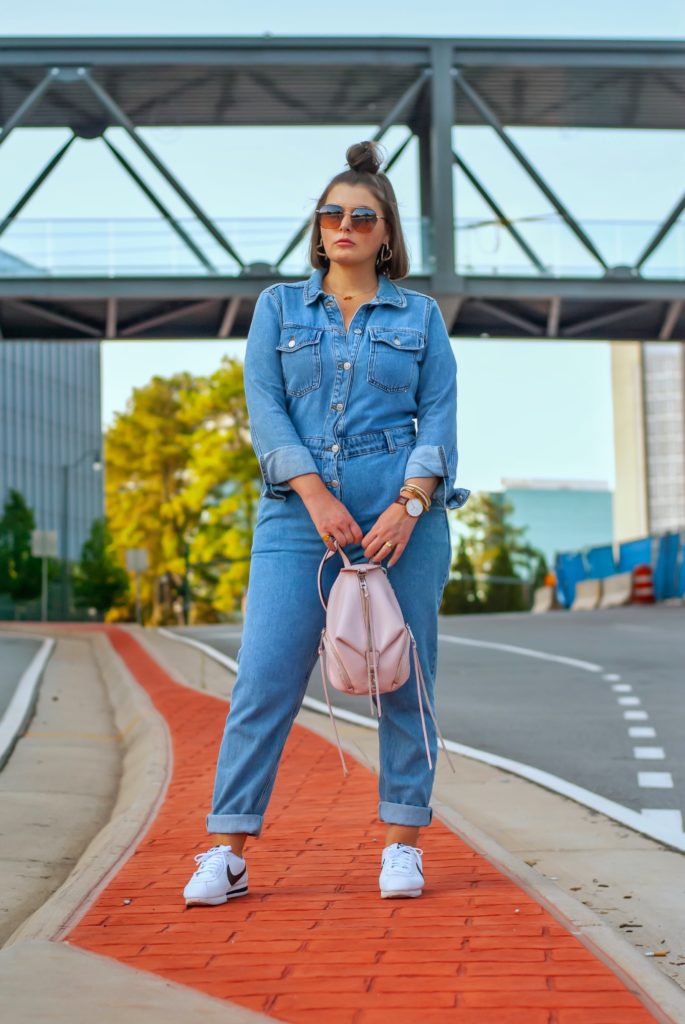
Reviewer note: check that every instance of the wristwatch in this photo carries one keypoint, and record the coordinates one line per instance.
(413, 505)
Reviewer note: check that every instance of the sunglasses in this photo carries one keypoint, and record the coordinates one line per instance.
(362, 218)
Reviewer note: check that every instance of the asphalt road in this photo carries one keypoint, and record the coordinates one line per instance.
(15, 657)
(561, 696)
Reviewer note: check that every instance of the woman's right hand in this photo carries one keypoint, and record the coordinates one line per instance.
(329, 515)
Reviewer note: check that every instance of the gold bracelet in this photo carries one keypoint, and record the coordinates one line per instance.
(419, 493)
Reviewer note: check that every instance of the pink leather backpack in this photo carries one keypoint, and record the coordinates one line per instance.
(365, 643)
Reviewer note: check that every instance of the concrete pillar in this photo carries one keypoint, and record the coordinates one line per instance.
(630, 497)
(663, 373)
(648, 384)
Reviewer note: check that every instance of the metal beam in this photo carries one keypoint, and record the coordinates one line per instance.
(507, 317)
(442, 259)
(406, 100)
(57, 318)
(489, 116)
(500, 214)
(111, 318)
(159, 205)
(122, 120)
(228, 319)
(34, 186)
(603, 319)
(22, 110)
(553, 316)
(672, 313)
(658, 238)
(164, 318)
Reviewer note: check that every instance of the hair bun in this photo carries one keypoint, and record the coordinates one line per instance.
(365, 157)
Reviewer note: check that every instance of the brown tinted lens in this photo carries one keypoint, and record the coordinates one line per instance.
(330, 216)
(364, 221)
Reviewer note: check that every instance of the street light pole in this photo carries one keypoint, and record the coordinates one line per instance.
(64, 545)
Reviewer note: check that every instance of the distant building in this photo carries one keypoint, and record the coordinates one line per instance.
(50, 417)
(561, 515)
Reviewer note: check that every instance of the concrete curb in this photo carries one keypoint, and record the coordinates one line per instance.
(147, 764)
(21, 707)
(662, 996)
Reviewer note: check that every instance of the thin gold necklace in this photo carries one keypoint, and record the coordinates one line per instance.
(337, 296)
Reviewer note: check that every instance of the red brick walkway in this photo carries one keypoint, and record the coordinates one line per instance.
(313, 942)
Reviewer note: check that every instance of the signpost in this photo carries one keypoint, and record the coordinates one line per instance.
(137, 562)
(44, 545)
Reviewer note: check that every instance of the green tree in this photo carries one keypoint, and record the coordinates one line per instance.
(99, 580)
(223, 489)
(147, 450)
(20, 572)
(183, 482)
(503, 597)
(460, 596)
(499, 548)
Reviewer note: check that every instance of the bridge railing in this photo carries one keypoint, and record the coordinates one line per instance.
(149, 246)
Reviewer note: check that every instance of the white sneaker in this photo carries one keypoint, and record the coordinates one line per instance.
(401, 872)
(220, 876)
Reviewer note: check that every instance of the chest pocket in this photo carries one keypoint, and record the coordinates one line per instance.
(300, 350)
(393, 355)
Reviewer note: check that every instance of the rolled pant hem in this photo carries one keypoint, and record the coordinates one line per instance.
(227, 823)
(404, 814)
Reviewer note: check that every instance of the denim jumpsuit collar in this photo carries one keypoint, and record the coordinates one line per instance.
(388, 293)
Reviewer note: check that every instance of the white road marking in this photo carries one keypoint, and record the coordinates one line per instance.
(611, 676)
(666, 819)
(527, 652)
(621, 687)
(642, 732)
(655, 780)
(635, 716)
(649, 753)
(629, 700)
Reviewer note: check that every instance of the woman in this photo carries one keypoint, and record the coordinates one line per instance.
(336, 369)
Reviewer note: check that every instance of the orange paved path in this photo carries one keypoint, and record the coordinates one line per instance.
(313, 942)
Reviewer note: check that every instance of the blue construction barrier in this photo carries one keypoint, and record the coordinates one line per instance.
(665, 554)
(600, 562)
(635, 552)
(570, 569)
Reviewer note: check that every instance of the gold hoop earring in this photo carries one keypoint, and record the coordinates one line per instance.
(383, 257)
(324, 254)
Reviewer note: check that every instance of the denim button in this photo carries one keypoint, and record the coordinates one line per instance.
(357, 330)
(396, 340)
(334, 483)
(346, 366)
(339, 407)
(335, 447)
(291, 343)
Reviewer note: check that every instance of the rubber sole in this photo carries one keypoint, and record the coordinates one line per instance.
(215, 901)
(391, 894)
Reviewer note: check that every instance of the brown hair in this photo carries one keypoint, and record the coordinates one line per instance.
(364, 160)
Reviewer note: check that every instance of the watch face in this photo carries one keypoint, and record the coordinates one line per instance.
(414, 507)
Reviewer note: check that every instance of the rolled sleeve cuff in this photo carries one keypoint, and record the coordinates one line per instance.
(279, 465)
(432, 460)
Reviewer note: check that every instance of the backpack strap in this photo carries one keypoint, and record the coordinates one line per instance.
(337, 549)
(322, 656)
(421, 684)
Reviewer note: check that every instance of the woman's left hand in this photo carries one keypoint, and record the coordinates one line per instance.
(393, 525)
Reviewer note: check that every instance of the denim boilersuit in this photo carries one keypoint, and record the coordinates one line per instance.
(343, 405)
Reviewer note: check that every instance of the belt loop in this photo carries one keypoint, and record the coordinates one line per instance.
(390, 441)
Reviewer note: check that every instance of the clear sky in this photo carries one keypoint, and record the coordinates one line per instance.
(526, 409)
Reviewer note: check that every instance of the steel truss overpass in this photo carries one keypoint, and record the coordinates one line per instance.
(425, 85)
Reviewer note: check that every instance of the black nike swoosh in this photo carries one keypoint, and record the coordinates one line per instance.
(235, 878)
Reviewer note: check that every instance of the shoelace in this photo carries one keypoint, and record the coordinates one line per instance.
(203, 860)
(403, 859)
